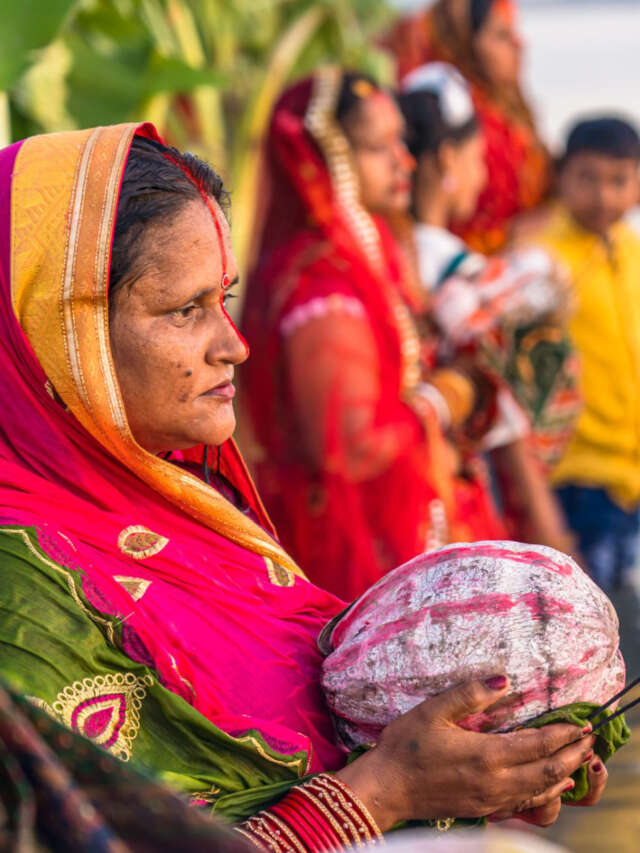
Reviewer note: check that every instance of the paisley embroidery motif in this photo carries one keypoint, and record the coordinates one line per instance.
(278, 575)
(106, 709)
(140, 542)
(136, 587)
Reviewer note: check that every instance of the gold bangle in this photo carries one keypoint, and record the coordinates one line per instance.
(253, 825)
(458, 391)
(348, 819)
(373, 826)
(296, 844)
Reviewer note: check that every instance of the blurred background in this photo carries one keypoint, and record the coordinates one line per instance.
(207, 73)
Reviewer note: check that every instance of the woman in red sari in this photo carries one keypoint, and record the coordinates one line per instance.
(350, 453)
(479, 37)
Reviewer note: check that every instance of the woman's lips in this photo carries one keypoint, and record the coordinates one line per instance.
(226, 391)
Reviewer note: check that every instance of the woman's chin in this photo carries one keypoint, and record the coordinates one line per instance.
(221, 433)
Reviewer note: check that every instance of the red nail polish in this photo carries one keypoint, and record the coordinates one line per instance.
(597, 767)
(498, 682)
(569, 787)
(588, 756)
(587, 729)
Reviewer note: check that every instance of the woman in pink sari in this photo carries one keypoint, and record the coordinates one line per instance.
(146, 602)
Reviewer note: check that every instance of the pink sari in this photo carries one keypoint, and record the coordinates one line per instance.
(206, 595)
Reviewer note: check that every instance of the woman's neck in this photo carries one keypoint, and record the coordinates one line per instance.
(432, 207)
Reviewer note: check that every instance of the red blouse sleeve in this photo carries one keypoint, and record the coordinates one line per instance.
(334, 378)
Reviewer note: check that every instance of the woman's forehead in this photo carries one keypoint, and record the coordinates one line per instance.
(378, 112)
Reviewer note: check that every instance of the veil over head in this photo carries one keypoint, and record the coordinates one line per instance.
(129, 533)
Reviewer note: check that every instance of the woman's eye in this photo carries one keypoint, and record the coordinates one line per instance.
(185, 313)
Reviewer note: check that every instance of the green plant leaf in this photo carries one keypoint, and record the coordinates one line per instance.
(26, 26)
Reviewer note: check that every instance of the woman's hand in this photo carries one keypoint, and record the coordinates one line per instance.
(546, 815)
(426, 766)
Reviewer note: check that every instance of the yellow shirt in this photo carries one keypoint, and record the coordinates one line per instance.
(605, 449)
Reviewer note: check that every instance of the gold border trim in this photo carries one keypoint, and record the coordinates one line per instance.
(105, 623)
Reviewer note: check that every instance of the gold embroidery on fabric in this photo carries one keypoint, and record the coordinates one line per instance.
(136, 587)
(140, 542)
(278, 575)
(321, 124)
(297, 764)
(66, 294)
(67, 540)
(44, 706)
(71, 586)
(105, 709)
(103, 255)
(209, 796)
(185, 681)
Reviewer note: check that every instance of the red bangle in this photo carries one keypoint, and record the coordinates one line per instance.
(302, 821)
(321, 815)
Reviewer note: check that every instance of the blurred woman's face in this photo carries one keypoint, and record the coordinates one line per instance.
(375, 130)
(467, 164)
(464, 165)
(498, 47)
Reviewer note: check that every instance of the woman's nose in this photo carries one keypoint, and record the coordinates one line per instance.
(227, 344)
(404, 158)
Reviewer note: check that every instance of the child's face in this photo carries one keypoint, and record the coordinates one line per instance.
(599, 190)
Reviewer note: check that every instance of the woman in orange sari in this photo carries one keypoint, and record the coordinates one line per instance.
(348, 417)
(480, 38)
(146, 603)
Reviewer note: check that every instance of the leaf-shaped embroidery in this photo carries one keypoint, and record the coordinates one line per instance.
(140, 542)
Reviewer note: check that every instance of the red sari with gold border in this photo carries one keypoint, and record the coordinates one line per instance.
(356, 474)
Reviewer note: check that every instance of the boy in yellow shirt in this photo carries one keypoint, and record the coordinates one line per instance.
(598, 478)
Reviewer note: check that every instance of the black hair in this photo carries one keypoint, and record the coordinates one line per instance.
(608, 135)
(154, 189)
(479, 12)
(350, 98)
(426, 127)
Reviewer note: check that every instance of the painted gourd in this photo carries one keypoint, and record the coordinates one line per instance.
(465, 612)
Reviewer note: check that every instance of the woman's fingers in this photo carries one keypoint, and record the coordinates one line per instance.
(536, 805)
(530, 745)
(542, 815)
(539, 777)
(470, 698)
(597, 782)
(542, 800)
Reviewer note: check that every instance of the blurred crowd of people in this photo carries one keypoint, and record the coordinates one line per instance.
(444, 319)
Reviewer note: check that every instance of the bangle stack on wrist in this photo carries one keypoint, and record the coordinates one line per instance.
(323, 814)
